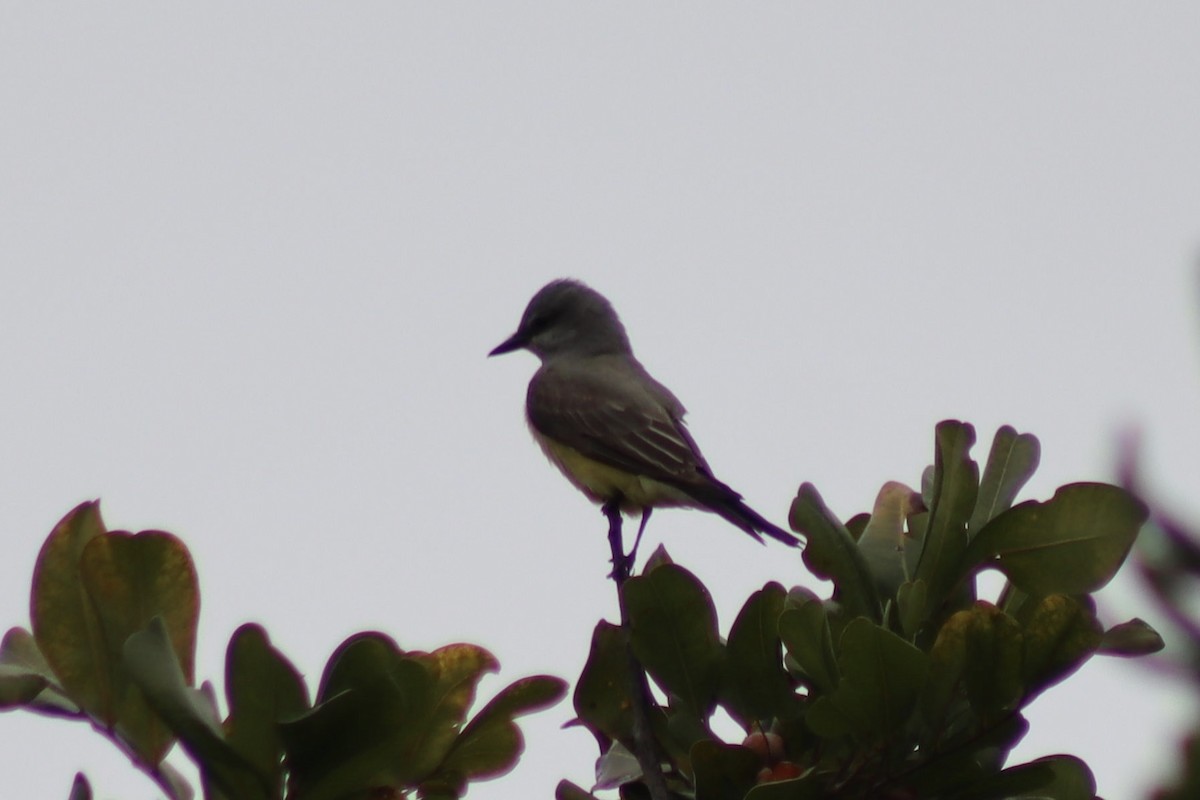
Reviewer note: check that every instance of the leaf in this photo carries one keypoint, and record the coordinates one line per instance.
(1071, 544)
(18, 687)
(1132, 638)
(994, 652)
(19, 655)
(65, 625)
(371, 697)
(967, 760)
(385, 717)
(806, 634)
(660, 557)
(884, 544)
(569, 791)
(490, 744)
(131, 579)
(91, 590)
(881, 675)
(832, 553)
(1060, 636)
(616, 767)
(1050, 778)
(1011, 463)
(80, 788)
(912, 599)
(458, 669)
(175, 785)
(673, 633)
(1072, 779)
(723, 771)
(755, 685)
(153, 666)
(980, 647)
(954, 488)
(262, 689)
(603, 693)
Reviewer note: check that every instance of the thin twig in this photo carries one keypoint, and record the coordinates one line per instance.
(644, 748)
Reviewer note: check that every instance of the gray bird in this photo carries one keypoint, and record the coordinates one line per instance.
(614, 431)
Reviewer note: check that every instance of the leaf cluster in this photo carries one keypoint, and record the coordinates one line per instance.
(113, 639)
(903, 683)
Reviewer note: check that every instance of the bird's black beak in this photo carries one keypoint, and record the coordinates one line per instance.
(514, 342)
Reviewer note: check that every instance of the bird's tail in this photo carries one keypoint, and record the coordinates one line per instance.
(753, 523)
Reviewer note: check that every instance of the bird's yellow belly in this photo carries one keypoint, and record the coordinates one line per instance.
(603, 483)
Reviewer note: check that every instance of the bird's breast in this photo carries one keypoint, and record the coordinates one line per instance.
(602, 482)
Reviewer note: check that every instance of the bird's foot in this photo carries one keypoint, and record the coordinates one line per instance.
(622, 563)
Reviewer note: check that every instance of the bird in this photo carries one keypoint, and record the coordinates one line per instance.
(614, 431)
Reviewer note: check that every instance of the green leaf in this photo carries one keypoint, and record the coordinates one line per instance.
(80, 788)
(980, 647)
(18, 687)
(262, 689)
(91, 591)
(889, 552)
(832, 553)
(954, 488)
(458, 669)
(1050, 778)
(673, 632)
(806, 634)
(1072, 779)
(1132, 638)
(856, 525)
(386, 718)
(616, 767)
(723, 771)
(881, 675)
(19, 655)
(65, 625)
(1060, 636)
(965, 760)
(348, 743)
(175, 785)
(569, 791)
(131, 579)
(755, 684)
(1071, 544)
(1012, 461)
(947, 663)
(153, 666)
(603, 694)
(912, 601)
(660, 557)
(490, 744)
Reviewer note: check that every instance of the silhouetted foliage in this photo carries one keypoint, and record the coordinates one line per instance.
(901, 684)
(113, 640)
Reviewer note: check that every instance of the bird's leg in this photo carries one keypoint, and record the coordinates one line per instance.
(621, 565)
(641, 529)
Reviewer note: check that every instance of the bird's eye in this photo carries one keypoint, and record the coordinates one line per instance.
(541, 321)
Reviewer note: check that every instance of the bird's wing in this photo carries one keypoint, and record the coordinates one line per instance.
(612, 411)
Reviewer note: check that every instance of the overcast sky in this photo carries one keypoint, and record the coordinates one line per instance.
(254, 255)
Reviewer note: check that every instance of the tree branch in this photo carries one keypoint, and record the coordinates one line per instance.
(644, 746)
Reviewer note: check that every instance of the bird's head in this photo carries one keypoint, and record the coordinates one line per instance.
(567, 317)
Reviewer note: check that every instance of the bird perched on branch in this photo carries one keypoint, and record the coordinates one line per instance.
(615, 432)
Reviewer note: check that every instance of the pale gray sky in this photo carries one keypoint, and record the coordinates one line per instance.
(253, 257)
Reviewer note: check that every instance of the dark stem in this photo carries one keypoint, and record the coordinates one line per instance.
(644, 748)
